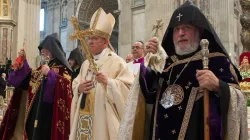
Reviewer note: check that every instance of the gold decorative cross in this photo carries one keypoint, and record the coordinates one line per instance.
(80, 35)
(157, 27)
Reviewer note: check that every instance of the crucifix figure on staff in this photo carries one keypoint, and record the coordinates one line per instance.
(178, 100)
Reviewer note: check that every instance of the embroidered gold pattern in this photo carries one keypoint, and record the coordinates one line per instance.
(62, 107)
(67, 76)
(199, 94)
(56, 70)
(60, 126)
(166, 116)
(174, 58)
(35, 81)
(232, 70)
(67, 115)
(187, 114)
(234, 85)
(61, 104)
(196, 57)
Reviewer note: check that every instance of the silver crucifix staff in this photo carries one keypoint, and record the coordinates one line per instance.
(204, 45)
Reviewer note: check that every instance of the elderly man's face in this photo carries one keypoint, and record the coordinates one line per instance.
(97, 44)
(186, 39)
(46, 53)
(137, 50)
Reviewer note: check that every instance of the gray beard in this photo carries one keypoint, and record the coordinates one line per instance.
(190, 48)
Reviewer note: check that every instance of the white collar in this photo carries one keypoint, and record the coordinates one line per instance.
(97, 57)
(138, 59)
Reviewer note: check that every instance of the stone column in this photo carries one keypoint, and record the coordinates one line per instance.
(125, 28)
(6, 30)
(28, 28)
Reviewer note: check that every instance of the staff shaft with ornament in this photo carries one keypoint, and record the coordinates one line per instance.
(204, 45)
(158, 26)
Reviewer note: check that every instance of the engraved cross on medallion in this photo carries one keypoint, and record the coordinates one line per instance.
(158, 26)
(179, 16)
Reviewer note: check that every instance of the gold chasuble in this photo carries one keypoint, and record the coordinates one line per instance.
(104, 105)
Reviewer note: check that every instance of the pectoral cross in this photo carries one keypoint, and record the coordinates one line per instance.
(158, 26)
(179, 16)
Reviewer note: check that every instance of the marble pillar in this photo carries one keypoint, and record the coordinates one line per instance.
(6, 30)
(28, 29)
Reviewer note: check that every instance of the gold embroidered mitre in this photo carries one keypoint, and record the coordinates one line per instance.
(102, 24)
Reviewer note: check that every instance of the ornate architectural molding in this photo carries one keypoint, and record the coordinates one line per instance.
(33, 2)
(245, 22)
(52, 3)
(87, 9)
(7, 22)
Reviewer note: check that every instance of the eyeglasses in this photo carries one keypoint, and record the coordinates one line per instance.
(136, 47)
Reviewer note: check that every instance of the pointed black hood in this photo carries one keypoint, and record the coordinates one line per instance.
(77, 55)
(54, 46)
(188, 13)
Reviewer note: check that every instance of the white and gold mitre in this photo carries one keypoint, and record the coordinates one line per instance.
(102, 24)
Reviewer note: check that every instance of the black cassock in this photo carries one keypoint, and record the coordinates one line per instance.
(185, 117)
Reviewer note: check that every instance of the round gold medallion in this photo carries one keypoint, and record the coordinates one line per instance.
(177, 92)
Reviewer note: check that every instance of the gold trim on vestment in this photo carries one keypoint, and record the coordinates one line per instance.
(35, 83)
(86, 117)
(96, 18)
(232, 70)
(188, 112)
(196, 57)
(139, 122)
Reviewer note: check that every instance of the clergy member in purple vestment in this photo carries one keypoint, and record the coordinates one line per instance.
(40, 106)
(137, 52)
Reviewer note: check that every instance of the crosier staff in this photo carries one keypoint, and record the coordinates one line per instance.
(204, 45)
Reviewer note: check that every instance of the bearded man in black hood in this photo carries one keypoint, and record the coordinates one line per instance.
(40, 106)
(178, 99)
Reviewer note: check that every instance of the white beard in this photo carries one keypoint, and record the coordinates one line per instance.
(190, 48)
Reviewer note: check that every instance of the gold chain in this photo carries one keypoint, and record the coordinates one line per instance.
(177, 77)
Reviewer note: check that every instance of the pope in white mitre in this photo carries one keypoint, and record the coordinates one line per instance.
(99, 98)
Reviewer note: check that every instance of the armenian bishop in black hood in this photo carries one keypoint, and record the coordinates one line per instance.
(178, 106)
(75, 61)
(40, 106)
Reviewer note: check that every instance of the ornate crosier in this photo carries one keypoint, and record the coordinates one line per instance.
(205, 51)
(80, 35)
